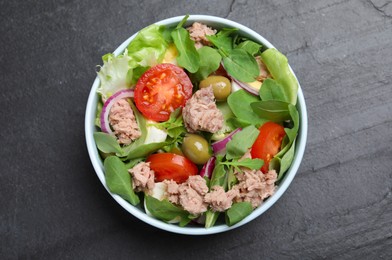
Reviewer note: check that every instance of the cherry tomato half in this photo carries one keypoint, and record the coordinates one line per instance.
(268, 143)
(162, 89)
(170, 166)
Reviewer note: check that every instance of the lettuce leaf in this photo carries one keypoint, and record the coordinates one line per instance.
(115, 74)
(148, 47)
(120, 72)
(278, 66)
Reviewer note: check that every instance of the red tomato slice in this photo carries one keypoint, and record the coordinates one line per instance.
(162, 89)
(170, 166)
(268, 143)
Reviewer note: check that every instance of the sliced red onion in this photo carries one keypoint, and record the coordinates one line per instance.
(125, 93)
(241, 84)
(219, 147)
(207, 169)
(246, 86)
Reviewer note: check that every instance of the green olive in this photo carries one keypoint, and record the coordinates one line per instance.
(220, 85)
(196, 148)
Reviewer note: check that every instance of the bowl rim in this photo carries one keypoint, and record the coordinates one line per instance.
(139, 213)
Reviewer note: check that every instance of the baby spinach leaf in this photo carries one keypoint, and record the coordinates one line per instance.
(241, 65)
(225, 109)
(141, 121)
(218, 177)
(235, 122)
(211, 218)
(282, 161)
(224, 44)
(132, 163)
(185, 221)
(188, 57)
(222, 40)
(227, 126)
(182, 22)
(271, 90)
(272, 110)
(275, 164)
(286, 161)
(237, 62)
(166, 34)
(285, 141)
(166, 211)
(231, 178)
(138, 149)
(291, 133)
(119, 180)
(207, 180)
(241, 142)
(107, 143)
(254, 164)
(226, 32)
(278, 66)
(238, 212)
(249, 46)
(209, 62)
(239, 103)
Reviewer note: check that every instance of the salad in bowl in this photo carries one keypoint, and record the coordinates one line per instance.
(196, 124)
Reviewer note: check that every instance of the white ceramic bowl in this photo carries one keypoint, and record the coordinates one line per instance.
(215, 22)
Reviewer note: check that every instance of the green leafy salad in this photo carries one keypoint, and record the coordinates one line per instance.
(196, 125)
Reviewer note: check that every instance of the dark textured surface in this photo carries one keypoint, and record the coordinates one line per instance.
(54, 207)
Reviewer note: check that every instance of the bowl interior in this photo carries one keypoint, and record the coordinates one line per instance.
(138, 212)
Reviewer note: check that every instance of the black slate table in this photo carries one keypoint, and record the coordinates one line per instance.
(53, 206)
